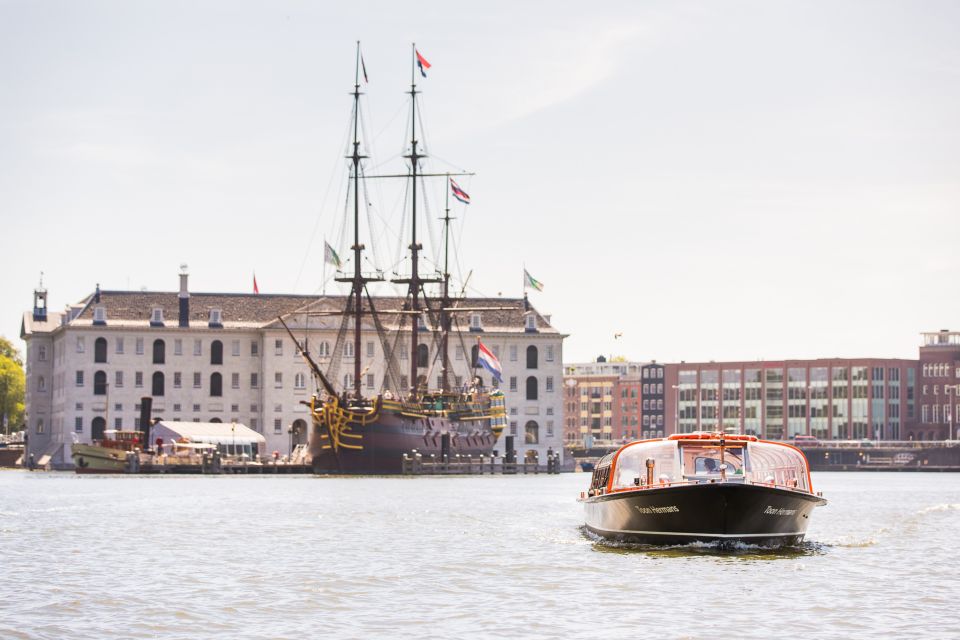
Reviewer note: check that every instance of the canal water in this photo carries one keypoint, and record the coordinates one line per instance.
(473, 557)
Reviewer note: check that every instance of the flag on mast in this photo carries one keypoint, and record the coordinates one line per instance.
(459, 193)
(488, 361)
(329, 255)
(363, 66)
(530, 281)
(256, 289)
(422, 63)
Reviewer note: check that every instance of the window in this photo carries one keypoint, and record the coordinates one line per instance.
(531, 323)
(254, 381)
(235, 382)
(100, 350)
(235, 348)
(216, 352)
(278, 347)
(404, 382)
(348, 381)
(474, 355)
(475, 324)
(324, 349)
(459, 353)
(119, 345)
(370, 381)
(277, 425)
(159, 352)
(118, 379)
(254, 348)
(532, 389)
(78, 424)
(216, 385)
(41, 353)
(139, 346)
(40, 425)
(158, 383)
(81, 346)
(532, 357)
(513, 383)
(371, 349)
(138, 379)
(278, 380)
(254, 424)
(196, 380)
(549, 356)
(178, 347)
(348, 350)
(423, 356)
(216, 318)
(531, 433)
(41, 383)
(299, 381)
(79, 378)
(156, 318)
(513, 427)
(198, 347)
(513, 353)
(177, 380)
(548, 384)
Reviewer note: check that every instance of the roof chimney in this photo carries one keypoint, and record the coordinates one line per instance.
(96, 294)
(184, 297)
(40, 302)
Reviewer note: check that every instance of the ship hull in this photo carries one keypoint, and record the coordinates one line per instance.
(94, 459)
(393, 434)
(727, 512)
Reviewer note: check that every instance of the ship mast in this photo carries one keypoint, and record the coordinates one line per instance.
(445, 324)
(358, 280)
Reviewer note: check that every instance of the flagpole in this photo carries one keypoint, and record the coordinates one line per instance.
(323, 286)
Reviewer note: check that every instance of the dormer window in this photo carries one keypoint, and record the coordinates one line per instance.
(216, 318)
(475, 324)
(156, 318)
(421, 323)
(99, 315)
(531, 323)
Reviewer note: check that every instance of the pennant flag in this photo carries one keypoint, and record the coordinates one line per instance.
(530, 281)
(256, 289)
(329, 255)
(459, 193)
(363, 66)
(488, 361)
(422, 63)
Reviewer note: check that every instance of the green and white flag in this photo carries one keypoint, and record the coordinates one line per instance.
(530, 281)
(329, 255)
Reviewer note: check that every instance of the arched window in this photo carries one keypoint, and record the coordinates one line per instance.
(216, 385)
(159, 351)
(216, 352)
(532, 357)
(298, 433)
(41, 383)
(97, 427)
(531, 433)
(324, 349)
(532, 389)
(157, 388)
(40, 425)
(100, 383)
(216, 420)
(423, 356)
(100, 350)
(474, 354)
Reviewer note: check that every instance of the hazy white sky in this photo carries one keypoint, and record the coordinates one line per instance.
(716, 180)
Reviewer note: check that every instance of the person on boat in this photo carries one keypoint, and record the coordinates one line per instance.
(710, 466)
(159, 446)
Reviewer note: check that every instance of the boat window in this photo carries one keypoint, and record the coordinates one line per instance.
(782, 465)
(632, 464)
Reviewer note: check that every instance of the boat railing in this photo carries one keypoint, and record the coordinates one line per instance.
(663, 484)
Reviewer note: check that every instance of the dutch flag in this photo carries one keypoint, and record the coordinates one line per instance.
(422, 63)
(489, 361)
(459, 193)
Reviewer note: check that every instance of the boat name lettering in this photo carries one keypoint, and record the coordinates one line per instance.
(670, 509)
(773, 511)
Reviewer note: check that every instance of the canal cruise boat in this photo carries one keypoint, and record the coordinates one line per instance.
(702, 486)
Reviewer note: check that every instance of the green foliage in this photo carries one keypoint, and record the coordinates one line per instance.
(12, 386)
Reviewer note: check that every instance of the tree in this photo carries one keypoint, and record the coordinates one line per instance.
(12, 387)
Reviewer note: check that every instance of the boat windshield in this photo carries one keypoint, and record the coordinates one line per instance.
(631, 464)
(702, 461)
(778, 464)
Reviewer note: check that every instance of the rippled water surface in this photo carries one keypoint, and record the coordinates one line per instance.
(299, 557)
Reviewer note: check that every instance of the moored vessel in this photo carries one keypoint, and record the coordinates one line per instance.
(704, 487)
(106, 455)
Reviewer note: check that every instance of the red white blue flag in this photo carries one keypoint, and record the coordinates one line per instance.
(459, 193)
(488, 361)
(422, 63)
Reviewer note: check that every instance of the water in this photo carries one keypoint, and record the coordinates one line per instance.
(506, 557)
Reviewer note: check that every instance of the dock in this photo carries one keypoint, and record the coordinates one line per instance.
(416, 464)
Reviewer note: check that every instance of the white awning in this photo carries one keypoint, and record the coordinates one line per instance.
(206, 432)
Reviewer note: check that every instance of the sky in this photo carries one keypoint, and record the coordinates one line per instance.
(714, 180)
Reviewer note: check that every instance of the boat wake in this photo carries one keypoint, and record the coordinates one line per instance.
(721, 548)
(911, 523)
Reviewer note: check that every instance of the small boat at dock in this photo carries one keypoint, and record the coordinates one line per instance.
(702, 486)
(106, 455)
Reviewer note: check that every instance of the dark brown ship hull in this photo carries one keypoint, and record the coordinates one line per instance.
(386, 440)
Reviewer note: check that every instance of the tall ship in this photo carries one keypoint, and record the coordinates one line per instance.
(354, 433)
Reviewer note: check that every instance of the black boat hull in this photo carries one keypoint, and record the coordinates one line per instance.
(708, 512)
(393, 434)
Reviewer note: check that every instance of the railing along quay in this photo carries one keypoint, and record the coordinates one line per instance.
(416, 464)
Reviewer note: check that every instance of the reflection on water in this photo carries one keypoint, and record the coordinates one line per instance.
(717, 549)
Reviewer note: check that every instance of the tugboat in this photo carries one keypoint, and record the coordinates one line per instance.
(702, 486)
(107, 455)
(354, 434)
